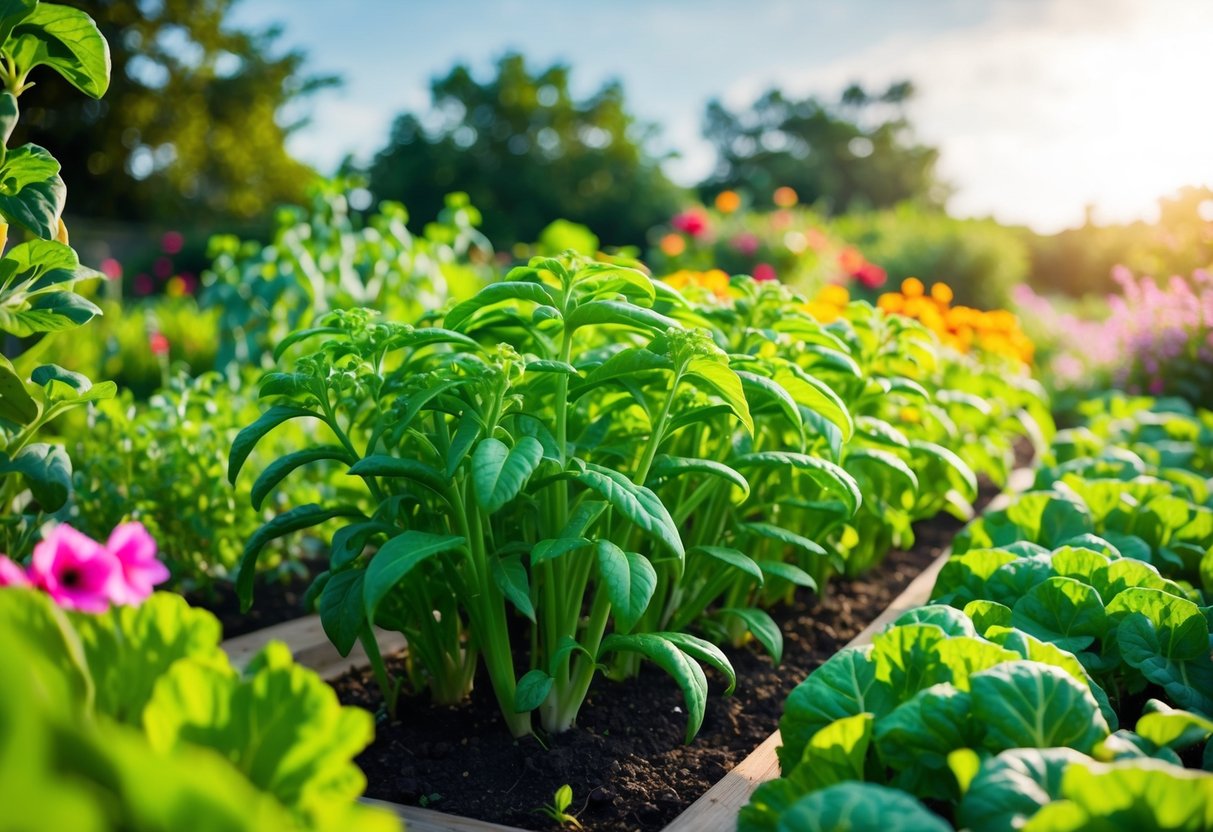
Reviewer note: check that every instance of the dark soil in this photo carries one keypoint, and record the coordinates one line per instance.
(626, 761)
(274, 601)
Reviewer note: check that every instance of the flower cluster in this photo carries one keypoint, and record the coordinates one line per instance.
(1157, 338)
(789, 244)
(82, 574)
(712, 282)
(960, 327)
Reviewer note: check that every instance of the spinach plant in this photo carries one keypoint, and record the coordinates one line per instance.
(38, 276)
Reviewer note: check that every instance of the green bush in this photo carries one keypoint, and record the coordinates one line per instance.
(980, 259)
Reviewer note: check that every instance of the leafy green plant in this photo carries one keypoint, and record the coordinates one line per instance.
(328, 257)
(135, 719)
(558, 809)
(38, 277)
(161, 461)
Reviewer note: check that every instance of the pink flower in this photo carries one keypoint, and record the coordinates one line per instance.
(171, 242)
(135, 550)
(871, 276)
(111, 268)
(75, 570)
(158, 343)
(746, 243)
(11, 574)
(692, 222)
(764, 272)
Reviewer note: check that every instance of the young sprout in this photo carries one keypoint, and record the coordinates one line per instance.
(557, 810)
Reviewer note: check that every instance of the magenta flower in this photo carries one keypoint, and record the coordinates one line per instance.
(135, 551)
(764, 272)
(75, 570)
(692, 222)
(11, 573)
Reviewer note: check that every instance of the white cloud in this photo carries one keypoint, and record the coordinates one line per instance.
(1048, 106)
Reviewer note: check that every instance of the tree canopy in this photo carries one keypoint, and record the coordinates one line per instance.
(194, 123)
(527, 152)
(854, 154)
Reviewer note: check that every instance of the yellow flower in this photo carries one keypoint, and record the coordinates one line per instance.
(891, 302)
(727, 202)
(942, 293)
(910, 415)
(912, 287)
(834, 294)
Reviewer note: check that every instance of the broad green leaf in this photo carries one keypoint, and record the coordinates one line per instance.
(510, 576)
(949, 619)
(670, 658)
(349, 541)
(278, 470)
(46, 471)
(782, 535)
(465, 436)
(48, 630)
(789, 572)
(706, 652)
(500, 472)
(612, 312)
(16, 404)
(297, 519)
(1012, 786)
(68, 41)
(624, 365)
(829, 476)
(963, 577)
(907, 660)
(764, 629)
(1031, 705)
(1134, 794)
(1169, 727)
(986, 614)
(280, 725)
(860, 807)
(385, 465)
(497, 293)
(129, 648)
(921, 732)
(635, 502)
(248, 438)
(719, 378)
(1062, 611)
(737, 560)
(551, 549)
(814, 395)
(1167, 639)
(757, 387)
(397, 558)
(835, 754)
(844, 686)
(532, 689)
(341, 607)
(629, 580)
(13, 12)
(668, 467)
(965, 655)
(32, 194)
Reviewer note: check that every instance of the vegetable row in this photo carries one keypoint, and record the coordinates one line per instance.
(1058, 622)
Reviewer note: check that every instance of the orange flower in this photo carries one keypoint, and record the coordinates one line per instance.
(673, 245)
(912, 287)
(891, 302)
(942, 293)
(785, 197)
(727, 202)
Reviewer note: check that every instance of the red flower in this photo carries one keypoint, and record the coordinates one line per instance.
(871, 276)
(764, 272)
(693, 222)
(158, 343)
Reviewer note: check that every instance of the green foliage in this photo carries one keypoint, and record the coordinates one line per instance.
(190, 743)
(528, 152)
(980, 260)
(328, 257)
(161, 462)
(218, 153)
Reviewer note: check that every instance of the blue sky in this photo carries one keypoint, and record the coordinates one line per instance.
(1040, 107)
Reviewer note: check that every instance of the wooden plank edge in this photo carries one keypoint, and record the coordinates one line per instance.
(417, 819)
(716, 810)
(310, 646)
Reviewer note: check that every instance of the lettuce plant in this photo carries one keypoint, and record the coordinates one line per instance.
(38, 276)
(134, 719)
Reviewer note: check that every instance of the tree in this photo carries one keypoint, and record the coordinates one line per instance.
(856, 154)
(527, 153)
(192, 123)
